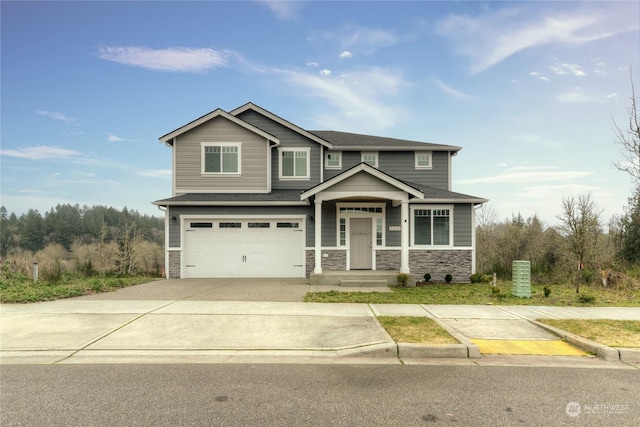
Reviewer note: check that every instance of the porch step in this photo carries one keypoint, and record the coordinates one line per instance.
(370, 283)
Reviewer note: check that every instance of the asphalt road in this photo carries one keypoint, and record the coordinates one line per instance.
(316, 395)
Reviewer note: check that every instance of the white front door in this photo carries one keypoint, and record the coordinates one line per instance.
(360, 244)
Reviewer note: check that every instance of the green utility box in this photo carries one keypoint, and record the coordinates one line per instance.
(521, 279)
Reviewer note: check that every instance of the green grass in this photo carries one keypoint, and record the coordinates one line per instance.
(614, 333)
(561, 295)
(20, 289)
(418, 330)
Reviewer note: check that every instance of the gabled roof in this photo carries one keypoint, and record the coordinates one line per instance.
(354, 141)
(362, 167)
(280, 120)
(168, 138)
(437, 195)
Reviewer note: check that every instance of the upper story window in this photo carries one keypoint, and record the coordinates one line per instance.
(221, 157)
(333, 160)
(294, 163)
(423, 160)
(370, 158)
(432, 227)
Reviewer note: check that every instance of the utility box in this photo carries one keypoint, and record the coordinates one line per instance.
(521, 279)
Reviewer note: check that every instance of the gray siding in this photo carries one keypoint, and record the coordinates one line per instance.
(401, 165)
(174, 226)
(188, 153)
(393, 219)
(288, 138)
(462, 224)
(329, 226)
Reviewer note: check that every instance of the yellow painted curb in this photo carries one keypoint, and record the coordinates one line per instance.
(531, 348)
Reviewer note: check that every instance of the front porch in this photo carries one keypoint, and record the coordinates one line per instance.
(359, 278)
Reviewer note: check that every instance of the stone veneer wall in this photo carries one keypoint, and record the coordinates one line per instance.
(174, 264)
(336, 261)
(441, 263)
(388, 260)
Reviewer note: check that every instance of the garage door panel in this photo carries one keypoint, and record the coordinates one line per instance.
(262, 250)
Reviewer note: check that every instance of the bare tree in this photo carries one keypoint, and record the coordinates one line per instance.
(580, 226)
(629, 140)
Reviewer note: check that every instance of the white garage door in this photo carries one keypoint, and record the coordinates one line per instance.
(236, 247)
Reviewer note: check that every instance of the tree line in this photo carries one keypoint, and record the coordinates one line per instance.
(87, 240)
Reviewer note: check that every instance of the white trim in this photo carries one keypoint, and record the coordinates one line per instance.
(416, 154)
(412, 210)
(227, 203)
(220, 191)
(376, 156)
(306, 150)
(440, 248)
(211, 115)
(203, 147)
(326, 160)
(450, 172)
(366, 168)
(372, 215)
(448, 201)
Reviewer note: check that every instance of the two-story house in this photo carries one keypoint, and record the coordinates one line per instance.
(257, 196)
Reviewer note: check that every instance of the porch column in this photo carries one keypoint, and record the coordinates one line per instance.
(404, 237)
(318, 237)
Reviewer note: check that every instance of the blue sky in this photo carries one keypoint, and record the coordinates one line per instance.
(528, 89)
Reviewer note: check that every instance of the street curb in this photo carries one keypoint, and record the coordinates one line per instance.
(600, 350)
(473, 352)
(409, 350)
(629, 355)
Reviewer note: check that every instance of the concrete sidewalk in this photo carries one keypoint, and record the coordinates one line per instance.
(93, 330)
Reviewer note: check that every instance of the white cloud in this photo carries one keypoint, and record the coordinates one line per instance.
(56, 116)
(156, 173)
(564, 69)
(363, 99)
(365, 40)
(345, 54)
(495, 35)
(324, 72)
(114, 138)
(527, 177)
(41, 152)
(451, 91)
(575, 95)
(174, 59)
(313, 64)
(284, 10)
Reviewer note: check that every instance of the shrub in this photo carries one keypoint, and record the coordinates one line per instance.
(403, 279)
(547, 290)
(427, 277)
(487, 278)
(448, 278)
(475, 278)
(586, 299)
(495, 290)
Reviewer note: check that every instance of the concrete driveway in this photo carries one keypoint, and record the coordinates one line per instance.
(273, 290)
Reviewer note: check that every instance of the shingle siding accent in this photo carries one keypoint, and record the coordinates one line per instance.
(441, 263)
(188, 152)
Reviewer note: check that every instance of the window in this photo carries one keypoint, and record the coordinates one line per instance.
(230, 225)
(201, 225)
(432, 227)
(343, 231)
(220, 158)
(370, 158)
(423, 160)
(288, 225)
(333, 161)
(259, 225)
(294, 163)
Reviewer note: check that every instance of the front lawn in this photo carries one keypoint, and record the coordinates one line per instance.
(561, 295)
(20, 289)
(418, 330)
(614, 333)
